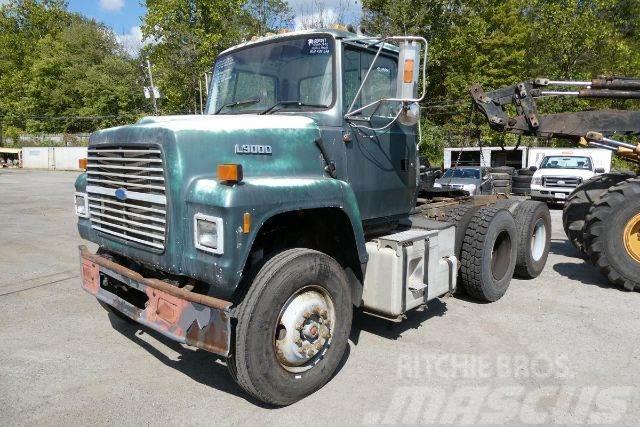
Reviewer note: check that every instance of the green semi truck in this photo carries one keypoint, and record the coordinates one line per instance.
(255, 230)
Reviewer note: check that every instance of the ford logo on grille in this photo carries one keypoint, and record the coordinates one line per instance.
(121, 194)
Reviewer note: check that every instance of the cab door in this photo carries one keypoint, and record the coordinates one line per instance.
(381, 164)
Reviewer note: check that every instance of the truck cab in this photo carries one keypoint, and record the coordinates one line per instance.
(558, 175)
(253, 231)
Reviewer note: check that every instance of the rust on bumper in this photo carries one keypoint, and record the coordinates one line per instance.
(198, 320)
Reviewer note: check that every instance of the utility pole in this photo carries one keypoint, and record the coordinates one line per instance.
(153, 88)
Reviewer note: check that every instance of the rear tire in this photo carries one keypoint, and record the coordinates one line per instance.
(460, 216)
(534, 238)
(577, 206)
(611, 234)
(489, 252)
(279, 357)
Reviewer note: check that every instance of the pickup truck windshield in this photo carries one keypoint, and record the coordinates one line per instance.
(253, 79)
(566, 162)
(462, 173)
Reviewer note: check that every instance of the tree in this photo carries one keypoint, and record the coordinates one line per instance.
(269, 15)
(318, 14)
(186, 36)
(56, 65)
(498, 43)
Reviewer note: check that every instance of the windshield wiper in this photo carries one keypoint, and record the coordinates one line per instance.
(237, 103)
(283, 104)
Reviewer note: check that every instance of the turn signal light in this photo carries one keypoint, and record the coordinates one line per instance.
(408, 70)
(82, 164)
(230, 172)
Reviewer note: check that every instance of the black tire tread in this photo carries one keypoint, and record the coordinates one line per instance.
(460, 216)
(598, 215)
(522, 179)
(244, 312)
(579, 202)
(471, 254)
(524, 211)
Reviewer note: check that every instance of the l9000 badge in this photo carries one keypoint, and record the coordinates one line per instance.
(253, 149)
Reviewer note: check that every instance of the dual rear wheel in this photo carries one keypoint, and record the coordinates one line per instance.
(498, 241)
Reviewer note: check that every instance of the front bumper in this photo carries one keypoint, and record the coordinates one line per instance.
(198, 320)
(550, 193)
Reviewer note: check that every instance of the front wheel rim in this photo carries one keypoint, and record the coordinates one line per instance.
(304, 329)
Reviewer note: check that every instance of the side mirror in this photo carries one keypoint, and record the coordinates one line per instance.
(533, 168)
(409, 69)
(599, 170)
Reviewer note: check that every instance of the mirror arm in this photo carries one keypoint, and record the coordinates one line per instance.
(351, 112)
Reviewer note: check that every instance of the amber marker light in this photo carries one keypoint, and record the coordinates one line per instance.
(230, 173)
(82, 164)
(408, 70)
(246, 223)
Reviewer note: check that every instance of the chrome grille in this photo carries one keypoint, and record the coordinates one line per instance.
(561, 181)
(126, 191)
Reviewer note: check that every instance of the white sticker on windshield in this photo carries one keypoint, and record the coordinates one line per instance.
(223, 69)
(318, 46)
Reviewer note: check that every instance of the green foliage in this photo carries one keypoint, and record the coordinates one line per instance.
(268, 15)
(187, 35)
(56, 65)
(501, 42)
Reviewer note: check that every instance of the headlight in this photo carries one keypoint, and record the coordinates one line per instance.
(469, 187)
(82, 205)
(208, 235)
(536, 180)
(437, 185)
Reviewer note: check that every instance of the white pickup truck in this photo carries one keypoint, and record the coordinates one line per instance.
(558, 175)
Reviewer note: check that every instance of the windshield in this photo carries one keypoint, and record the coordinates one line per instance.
(566, 162)
(462, 173)
(253, 79)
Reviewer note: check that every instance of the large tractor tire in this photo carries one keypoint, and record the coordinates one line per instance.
(534, 238)
(580, 201)
(292, 328)
(612, 234)
(488, 256)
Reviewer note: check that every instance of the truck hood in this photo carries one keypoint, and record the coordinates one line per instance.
(581, 173)
(194, 145)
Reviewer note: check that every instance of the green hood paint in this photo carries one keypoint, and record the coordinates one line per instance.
(291, 178)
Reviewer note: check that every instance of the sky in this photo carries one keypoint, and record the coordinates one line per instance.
(124, 16)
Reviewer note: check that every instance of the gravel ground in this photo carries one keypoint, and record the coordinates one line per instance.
(562, 348)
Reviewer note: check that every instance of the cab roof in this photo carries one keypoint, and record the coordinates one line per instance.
(336, 34)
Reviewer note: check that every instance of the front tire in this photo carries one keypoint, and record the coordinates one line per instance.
(293, 327)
